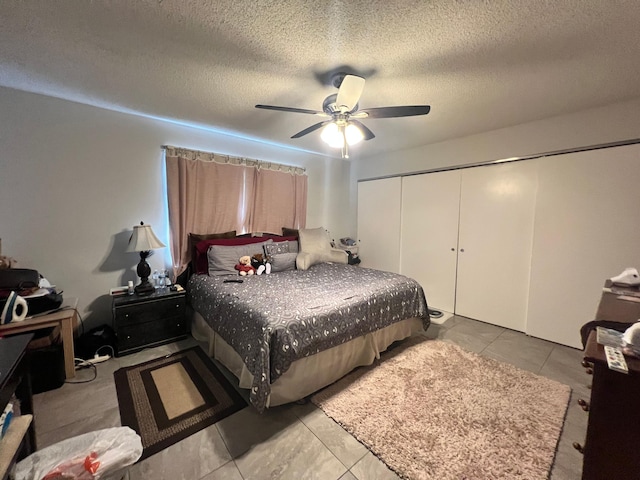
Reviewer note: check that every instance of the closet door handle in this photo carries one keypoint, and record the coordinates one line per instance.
(462, 249)
(453, 249)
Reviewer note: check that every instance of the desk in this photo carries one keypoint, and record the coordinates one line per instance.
(67, 318)
(20, 439)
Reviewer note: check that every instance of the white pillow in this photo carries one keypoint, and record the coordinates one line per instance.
(315, 247)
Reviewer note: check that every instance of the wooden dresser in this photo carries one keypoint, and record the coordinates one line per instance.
(611, 449)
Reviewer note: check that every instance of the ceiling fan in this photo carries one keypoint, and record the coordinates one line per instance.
(343, 127)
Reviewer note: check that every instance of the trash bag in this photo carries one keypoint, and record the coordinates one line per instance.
(103, 454)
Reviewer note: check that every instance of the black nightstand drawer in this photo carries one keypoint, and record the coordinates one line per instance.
(146, 321)
(149, 311)
(142, 335)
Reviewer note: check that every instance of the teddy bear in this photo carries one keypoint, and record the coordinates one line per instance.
(261, 264)
(244, 266)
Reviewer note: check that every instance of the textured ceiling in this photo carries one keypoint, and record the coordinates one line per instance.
(481, 65)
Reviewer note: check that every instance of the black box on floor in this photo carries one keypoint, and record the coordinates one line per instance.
(46, 360)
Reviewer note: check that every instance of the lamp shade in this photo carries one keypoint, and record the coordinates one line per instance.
(143, 239)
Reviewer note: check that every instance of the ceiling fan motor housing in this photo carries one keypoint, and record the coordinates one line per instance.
(330, 107)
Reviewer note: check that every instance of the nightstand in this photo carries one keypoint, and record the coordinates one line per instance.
(142, 321)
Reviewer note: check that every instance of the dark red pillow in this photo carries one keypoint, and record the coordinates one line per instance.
(201, 264)
(194, 238)
(286, 238)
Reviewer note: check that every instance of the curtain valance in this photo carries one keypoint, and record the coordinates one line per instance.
(229, 159)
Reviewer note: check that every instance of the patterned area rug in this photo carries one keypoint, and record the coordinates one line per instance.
(431, 410)
(167, 399)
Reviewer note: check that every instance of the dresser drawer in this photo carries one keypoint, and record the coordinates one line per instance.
(145, 312)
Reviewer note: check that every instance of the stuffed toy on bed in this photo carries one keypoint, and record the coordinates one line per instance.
(261, 264)
(244, 266)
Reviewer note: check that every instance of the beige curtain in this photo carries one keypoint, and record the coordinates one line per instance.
(212, 193)
(280, 201)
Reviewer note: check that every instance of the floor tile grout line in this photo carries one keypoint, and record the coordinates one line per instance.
(546, 359)
(325, 445)
(492, 341)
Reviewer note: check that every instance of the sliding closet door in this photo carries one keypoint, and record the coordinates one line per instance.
(379, 224)
(429, 234)
(587, 229)
(495, 238)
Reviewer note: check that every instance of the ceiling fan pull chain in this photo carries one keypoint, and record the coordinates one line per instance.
(345, 144)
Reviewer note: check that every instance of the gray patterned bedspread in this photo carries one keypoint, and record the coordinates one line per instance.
(273, 320)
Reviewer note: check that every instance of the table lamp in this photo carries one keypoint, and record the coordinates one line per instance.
(143, 240)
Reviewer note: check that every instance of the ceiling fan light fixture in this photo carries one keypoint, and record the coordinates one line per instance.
(353, 134)
(335, 135)
(332, 136)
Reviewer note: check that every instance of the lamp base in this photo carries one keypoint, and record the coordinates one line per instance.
(144, 289)
(144, 270)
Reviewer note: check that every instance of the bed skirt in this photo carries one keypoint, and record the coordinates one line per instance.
(310, 374)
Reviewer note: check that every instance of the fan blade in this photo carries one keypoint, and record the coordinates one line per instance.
(368, 134)
(350, 91)
(391, 112)
(310, 129)
(291, 109)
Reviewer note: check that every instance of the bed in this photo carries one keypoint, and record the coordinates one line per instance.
(291, 333)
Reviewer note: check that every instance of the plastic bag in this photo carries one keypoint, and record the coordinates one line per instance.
(103, 454)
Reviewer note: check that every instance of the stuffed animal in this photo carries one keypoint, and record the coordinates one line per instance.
(261, 264)
(244, 266)
(6, 262)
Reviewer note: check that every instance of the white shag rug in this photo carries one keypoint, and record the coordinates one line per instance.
(431, 410)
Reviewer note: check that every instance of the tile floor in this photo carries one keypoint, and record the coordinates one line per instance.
(299, 441)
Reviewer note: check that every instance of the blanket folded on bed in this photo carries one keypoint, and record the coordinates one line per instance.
(273, 320)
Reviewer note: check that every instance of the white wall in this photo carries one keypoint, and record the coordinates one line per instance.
(75, 179)
(611, 123)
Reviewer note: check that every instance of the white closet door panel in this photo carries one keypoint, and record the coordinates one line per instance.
(379, 223)
(429, 234)
(495, 238)
(587, 229)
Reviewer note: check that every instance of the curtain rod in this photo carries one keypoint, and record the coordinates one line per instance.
(251, 161)
(553, 153)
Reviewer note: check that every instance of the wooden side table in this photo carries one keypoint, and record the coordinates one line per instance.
(149, 320)
(66, 317)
